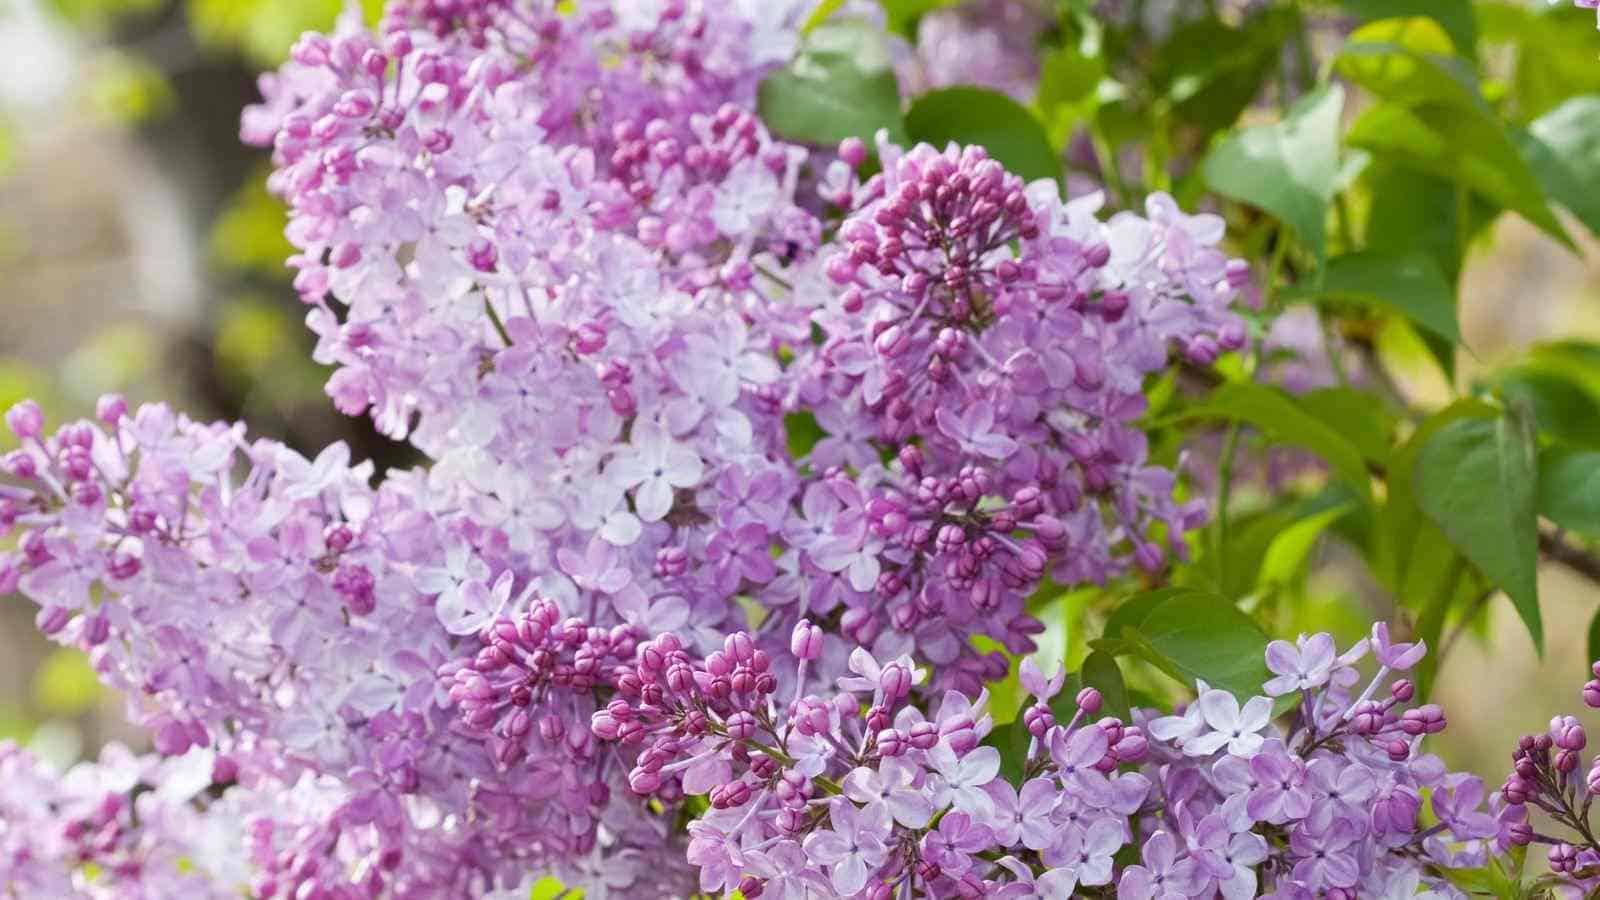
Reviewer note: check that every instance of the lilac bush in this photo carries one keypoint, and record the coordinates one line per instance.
(745, 460)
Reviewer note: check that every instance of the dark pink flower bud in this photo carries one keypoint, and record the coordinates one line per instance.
(110, 408)
(25, 420)
(853, 151)
(1089, 701)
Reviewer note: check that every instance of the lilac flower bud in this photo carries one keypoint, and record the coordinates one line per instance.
(1089, 701)
(1566, 761)
(806, 640)
(1202, 351)
(20, 464)
(1132, 748)
(924, 735)
(1520, 834)
(751, 887)
(1427, 719)
(1563, 857)
(853, 151)
(1567, 732)
(1097, 256)
(1038, 719)
(51, 619)
(1516, 790)
(25, 419)
(1591, 694)
(1402, 690)
(1150, 558)
(643, 782)
(110, 408)
(895, 681)
(960, 732)
(224, 770)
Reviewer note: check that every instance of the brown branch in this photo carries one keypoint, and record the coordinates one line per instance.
(1584, 563)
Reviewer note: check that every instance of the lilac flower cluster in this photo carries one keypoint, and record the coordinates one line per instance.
(855, 793)
(124, 826)
(1547, 776)
(552, 247)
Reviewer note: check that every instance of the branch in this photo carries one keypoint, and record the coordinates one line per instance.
(1584, 563)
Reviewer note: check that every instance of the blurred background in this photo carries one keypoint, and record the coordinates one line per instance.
(141, 253)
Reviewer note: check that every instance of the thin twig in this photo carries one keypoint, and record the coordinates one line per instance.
(1552, 545)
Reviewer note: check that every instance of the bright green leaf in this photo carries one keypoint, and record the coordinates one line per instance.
(902, 15)
(1454, 16)
(1277, 415)
(840, 85)
(65, 684)
(1463, 145)
(990, 119)
(1067, 76)
(1561, 407)
(1287, 554)
(819, 15)
(1569, 490)
(1206, 637)
(1409, 61)
(1410, 283)
(1477, 480)
(1288, 168)
(803, 432)
(1562, 147)
(1435, 118)
(1357, 415)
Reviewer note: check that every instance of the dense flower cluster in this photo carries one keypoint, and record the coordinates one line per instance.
(855, 793)
(1547, 775)
(552, 247)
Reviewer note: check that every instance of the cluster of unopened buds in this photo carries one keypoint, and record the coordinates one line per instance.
(1546, 774)
(852, 789)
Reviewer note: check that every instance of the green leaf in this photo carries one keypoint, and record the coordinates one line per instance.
(1012, 740)
(902, 15)
(1414, 211)
(1561, 407)
(1133, 610)
(1288, 168)
(1209, 638)
(1287, 554)
(1402, 526)
(1357, 415)
(1477, 480)
(803, 432)
(1210, 71)
(1454, 16)
(840, 85)
(990, 119)
(65, 684)
(1569, 490)
(1408, 283)
(1435, 118)
(1462, 145)
(1562, 147)
(1409, 61)
(1067, 76)
(1555, 58)
(1191, 634)
(1100, 671)
(820, 15)
(1284, 422)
